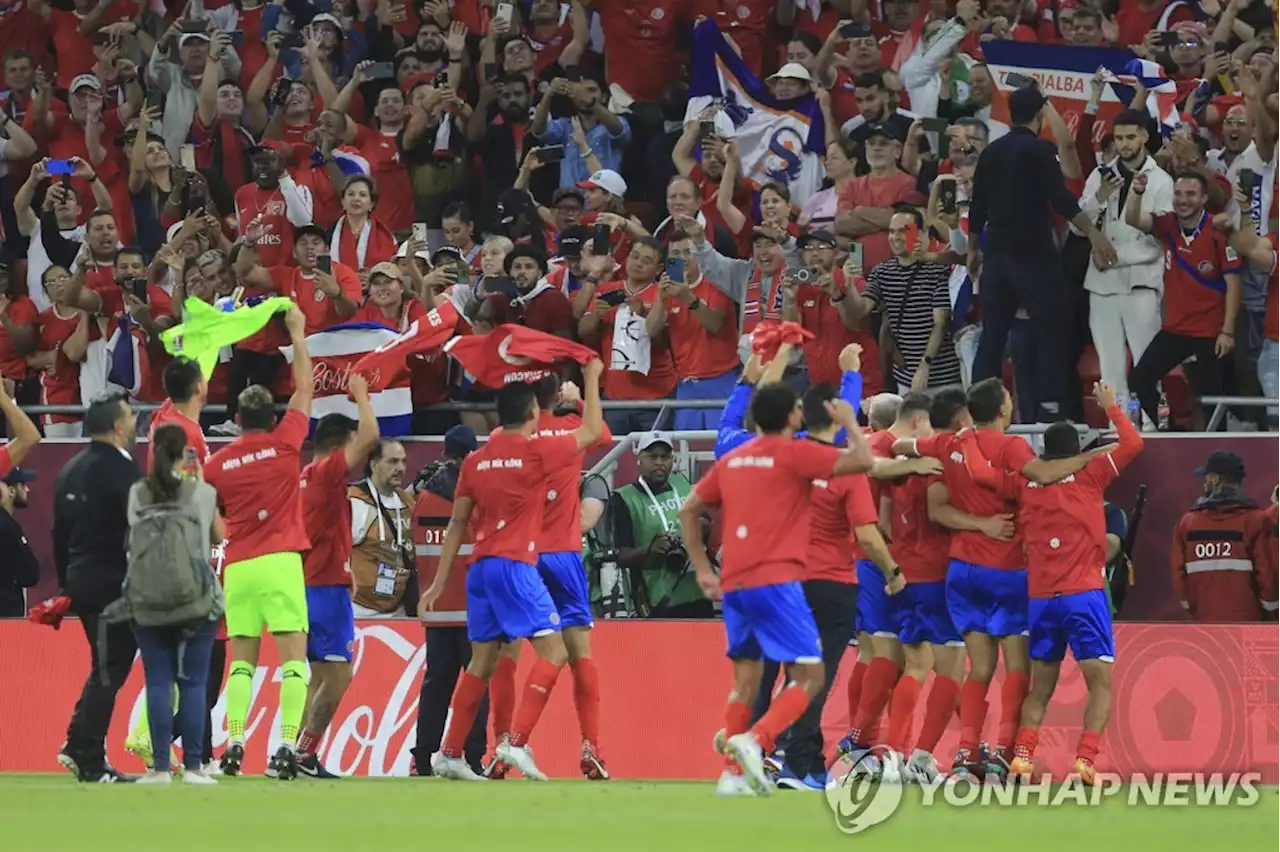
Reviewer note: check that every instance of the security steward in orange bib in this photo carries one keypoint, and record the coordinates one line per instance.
(448, 649)
(1223, 554)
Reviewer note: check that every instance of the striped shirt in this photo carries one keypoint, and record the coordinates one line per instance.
(907, 296)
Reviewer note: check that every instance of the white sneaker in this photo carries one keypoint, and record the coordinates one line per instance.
(922, 768)
(893, 769)
(227, 428)
(198, 777)
(154, 777)
(211, 768)
(521, 757)
(733, 784)
(746, 750)
(453, 768)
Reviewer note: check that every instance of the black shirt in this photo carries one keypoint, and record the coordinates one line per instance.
(1017, 184)
(18, 567)
(91, 525)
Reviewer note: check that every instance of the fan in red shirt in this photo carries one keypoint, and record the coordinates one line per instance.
(17, 327)
(70, 32)
(986, 580)
(326, 514)
(1137, 18)
(273, 204)
(765, 611)
(556, 38)
(256, 477)
(637, 294)
(560, 566)
(1005, 25)
(642, 57)
(1202, 293)
(387, 303)
(747, 22)
(326, 299)
(1065, 535)
(62, 340)
(538, 304)
(221, 142)
(360, 239)
(502, 492)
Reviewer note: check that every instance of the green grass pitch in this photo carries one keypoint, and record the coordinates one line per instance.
(52, 812)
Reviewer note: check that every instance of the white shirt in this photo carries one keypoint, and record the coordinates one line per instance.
(38, 261)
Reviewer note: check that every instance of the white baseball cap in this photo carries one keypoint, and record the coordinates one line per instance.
(189, 37)
(792, 71)
(648, 439)
(90, 80)
(608, 180)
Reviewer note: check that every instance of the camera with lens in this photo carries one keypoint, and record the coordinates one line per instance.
(807, 275)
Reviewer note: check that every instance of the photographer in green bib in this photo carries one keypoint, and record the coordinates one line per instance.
(645, 517)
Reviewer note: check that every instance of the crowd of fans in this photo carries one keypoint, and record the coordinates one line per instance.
(535, 163)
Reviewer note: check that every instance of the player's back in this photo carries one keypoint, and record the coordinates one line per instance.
(1004, 452)
(326, 516)
(765, 489)
(831, 537)
(562, 514)
(881, 446)
(256, 478)
(918, 544)
(197, 446)
(506, 480)
(1064, 529)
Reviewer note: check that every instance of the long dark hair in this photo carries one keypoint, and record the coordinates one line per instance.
(169, 444)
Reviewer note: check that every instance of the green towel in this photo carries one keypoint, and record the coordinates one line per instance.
(205, 329)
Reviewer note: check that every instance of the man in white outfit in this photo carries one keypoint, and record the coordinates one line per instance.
(1124, 300)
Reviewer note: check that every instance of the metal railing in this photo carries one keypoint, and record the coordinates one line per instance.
(607, 405)
(1222, 403)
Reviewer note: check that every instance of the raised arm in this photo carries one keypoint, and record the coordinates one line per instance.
(588, 434)
(303, 379)
(24, 432)
(1134, 215)
(366, 437)
(856, 459)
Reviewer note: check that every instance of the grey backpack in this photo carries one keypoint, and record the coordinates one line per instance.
(170, 581)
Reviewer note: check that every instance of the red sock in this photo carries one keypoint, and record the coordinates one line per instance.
(586, 698)
(502, 696)
(1090, 742)
(307, 742)
(1025, 744)
(466, 701)
(737, 718)
(1012, 694)
(785, 709)
(876, 687)
(854, 687)
(938, 708)
(902, 712)
(973, 712)
(537, 689)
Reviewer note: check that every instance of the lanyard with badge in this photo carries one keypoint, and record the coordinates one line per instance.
(657, 506)
(385, 584)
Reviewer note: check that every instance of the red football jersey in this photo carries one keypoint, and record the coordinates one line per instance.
(276, 244)
(256, 477)
(765, 488)
(698, 353)
(395, 190)
(642, 56)
(12, 365)
(326, 514)
(660, 381)
(839, 505)
(60, 386)
(1062, 525)
(507, 480)
(6, 463)
(562, 515)
(1194, 265)
(881, 446)
(319, 309)
(195, 437)
(920, 546)
(1004, 452)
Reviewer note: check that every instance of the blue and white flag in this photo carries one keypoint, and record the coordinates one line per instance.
(124, 360)
(777, 140)
(333, 353)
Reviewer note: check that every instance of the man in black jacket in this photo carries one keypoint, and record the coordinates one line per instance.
(90, 534)
(19, 569)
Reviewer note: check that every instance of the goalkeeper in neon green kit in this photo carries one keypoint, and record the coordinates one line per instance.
(257, 480)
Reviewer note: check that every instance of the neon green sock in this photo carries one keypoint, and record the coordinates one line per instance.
(239, 692)
(293, 698)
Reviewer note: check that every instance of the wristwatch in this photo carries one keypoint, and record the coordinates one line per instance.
(928, 359)
(896, 572)
(835, 300)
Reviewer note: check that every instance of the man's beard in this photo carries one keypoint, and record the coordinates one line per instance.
(19, 502)
(511, 114)
(427, 54)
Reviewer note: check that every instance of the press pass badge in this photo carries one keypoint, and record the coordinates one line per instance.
(385, 585)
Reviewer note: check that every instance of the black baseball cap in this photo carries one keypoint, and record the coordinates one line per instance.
(573, 239)
(884, 130)
(1223, 463)
(817, 237)
(314, 230)
(20, 476)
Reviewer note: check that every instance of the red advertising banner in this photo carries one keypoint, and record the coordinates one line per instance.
(1184, 698)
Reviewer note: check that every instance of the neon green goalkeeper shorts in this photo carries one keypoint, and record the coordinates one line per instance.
(266, 591)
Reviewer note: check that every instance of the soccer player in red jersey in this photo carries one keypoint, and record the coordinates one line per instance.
(560, 566)
(986, 580)
(502, 489)
(1202, 292)
(326, 514)
(765, 611)
(185, 391)
(24, 432)
(1065, 536)
(256, 477)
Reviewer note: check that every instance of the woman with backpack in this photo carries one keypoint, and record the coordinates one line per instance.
(173, 520)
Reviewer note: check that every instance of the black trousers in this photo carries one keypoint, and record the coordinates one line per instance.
(835, 610)
(249, 368)
(1166, 351)
(448, 654)
(1034, 284)
(87, 733)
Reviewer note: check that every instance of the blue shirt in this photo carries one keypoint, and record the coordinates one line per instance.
(607, 148)
(731, 435)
